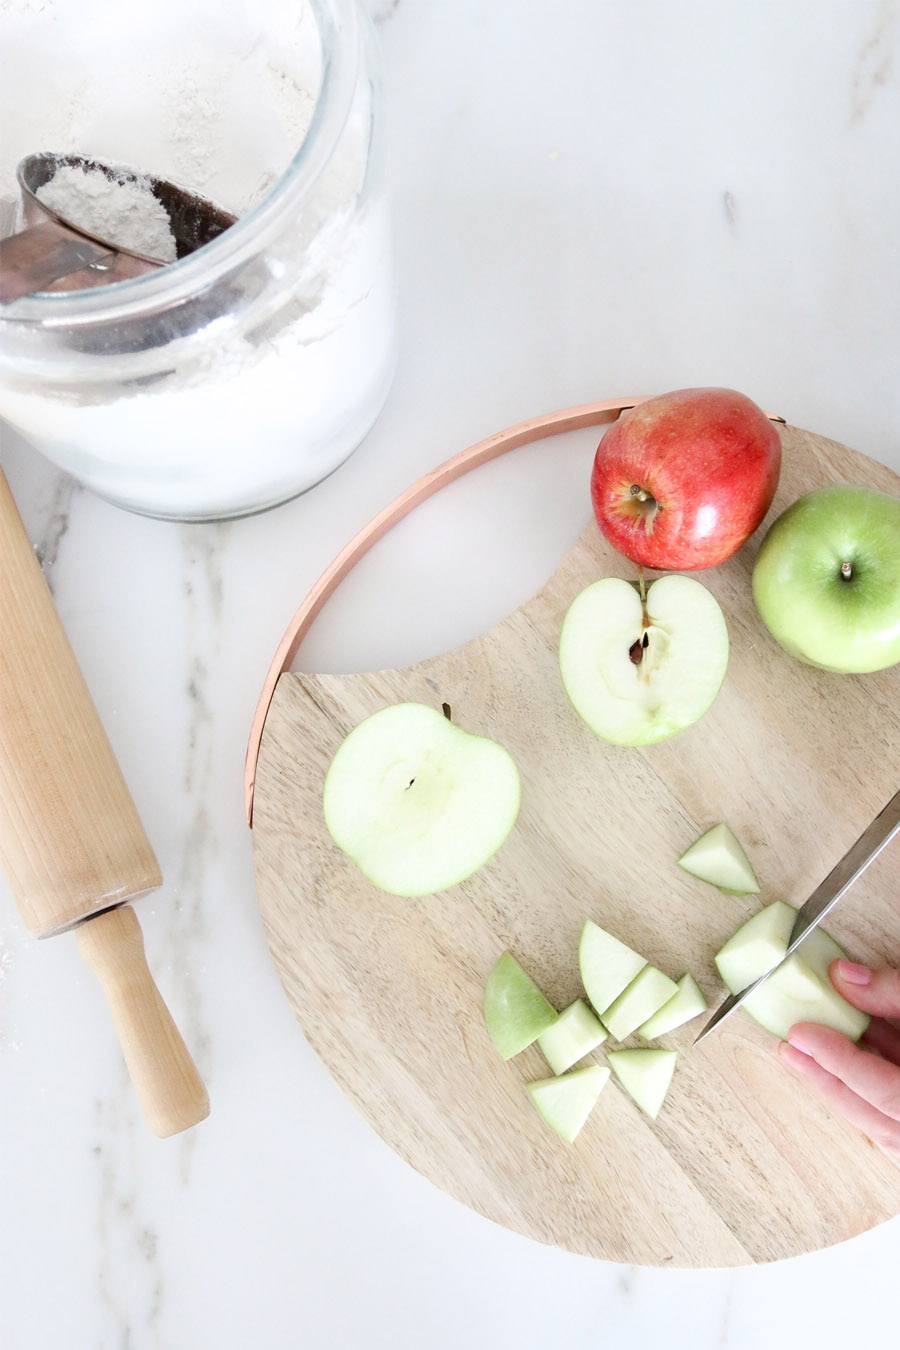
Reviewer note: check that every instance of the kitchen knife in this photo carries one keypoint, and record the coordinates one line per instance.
(823, 899)
(71, 842)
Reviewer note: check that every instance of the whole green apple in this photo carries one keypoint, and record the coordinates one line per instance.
(827, 579)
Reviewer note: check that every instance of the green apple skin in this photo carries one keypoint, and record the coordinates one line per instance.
(820, 616)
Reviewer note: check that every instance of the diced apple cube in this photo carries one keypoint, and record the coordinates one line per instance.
(515, 1010)
(687, 1003)
(646, 994)
(607, 965)
(717, 857)
(565, 1103)
(574, 1034)
(645, 1075)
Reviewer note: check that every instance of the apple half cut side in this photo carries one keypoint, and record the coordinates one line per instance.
(801, 989)
(686, 1004)
(417, 803)
(574, 1034)
(565, 1103)
(638, 673)
(607, 965)
(718, 858)
(645, 1075)
(648, 992)
(515, 1010)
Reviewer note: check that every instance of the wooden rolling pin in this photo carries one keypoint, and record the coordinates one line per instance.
(71, 843)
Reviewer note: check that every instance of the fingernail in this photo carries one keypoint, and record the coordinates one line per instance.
(794, 1059)
(797, 1038)
(854, 974)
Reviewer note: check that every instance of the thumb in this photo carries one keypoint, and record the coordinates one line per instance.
(873, 991)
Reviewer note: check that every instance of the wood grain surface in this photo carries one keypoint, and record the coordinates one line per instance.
(743, 1164)
(71, 841)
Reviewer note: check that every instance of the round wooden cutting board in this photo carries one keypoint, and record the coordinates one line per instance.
(743, 1164)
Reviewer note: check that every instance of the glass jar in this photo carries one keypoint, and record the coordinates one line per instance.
(244, 373)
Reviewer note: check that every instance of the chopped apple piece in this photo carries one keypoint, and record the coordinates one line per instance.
(801, 989)
(646, 994)
(645, 1075)
(515, 1010)
(574, 1034)
(565, 1103)
(717, 857)
(757, 946)
(687, 1003)
(607, 965)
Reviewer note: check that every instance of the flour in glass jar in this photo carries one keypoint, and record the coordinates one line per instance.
(218, 100)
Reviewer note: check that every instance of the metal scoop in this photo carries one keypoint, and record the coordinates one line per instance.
(56, 254)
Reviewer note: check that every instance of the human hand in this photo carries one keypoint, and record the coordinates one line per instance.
(863, 1085)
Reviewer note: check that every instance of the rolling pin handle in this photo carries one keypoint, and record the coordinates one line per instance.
(169, 1088)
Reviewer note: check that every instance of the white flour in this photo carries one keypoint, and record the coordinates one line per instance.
(217, 98)
(122, 211)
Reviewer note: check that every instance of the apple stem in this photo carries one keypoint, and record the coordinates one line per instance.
(846, 571)
(445, 709)
(642, 587)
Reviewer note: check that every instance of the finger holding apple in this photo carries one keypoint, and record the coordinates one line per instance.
(681, 481)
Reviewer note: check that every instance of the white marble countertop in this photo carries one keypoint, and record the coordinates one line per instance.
(591, 199)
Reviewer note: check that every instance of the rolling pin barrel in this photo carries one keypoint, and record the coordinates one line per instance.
(71, 841)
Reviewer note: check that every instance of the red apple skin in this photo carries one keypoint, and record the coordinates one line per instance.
(708, 461)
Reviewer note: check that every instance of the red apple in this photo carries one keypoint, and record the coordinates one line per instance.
(681, 481)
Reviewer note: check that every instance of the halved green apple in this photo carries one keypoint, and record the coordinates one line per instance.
(688, 1002)
(606, 964)
(717, 857)
(574, 1034)
(646, 994)
(645, 1075)
(641, 672)
(565, 1103)
(416, 803)
(515, 1010)
(801, 989)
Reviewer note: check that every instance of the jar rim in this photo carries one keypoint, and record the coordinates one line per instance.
(338, 28)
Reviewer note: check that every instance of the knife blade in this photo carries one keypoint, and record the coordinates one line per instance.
(823, 899)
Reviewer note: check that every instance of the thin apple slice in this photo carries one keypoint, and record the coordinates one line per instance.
(640, 673)
(717, 857)
(515, 1010)
(606, 964)
(565, 1103)
(416, 803)
(687, 1003)
(647, 993)
(756, 947)
(801, 989)
(645, 1075)
(574, 1034)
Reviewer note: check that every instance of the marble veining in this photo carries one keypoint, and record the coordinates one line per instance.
(875, 63)
(127, 1244)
